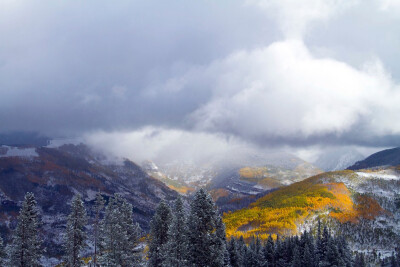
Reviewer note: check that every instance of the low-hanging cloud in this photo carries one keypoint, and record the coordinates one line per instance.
(283, 92)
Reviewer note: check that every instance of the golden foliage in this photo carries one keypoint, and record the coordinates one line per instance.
(280, 211)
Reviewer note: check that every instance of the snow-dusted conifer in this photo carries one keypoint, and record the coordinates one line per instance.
(118, 235)
(130, 255)
(159, 228)
(26, 249)
(177, 246)
(220, 251)
(234, 256)
(202, 228)
(98, 210)
(75, 236)
(2, 253)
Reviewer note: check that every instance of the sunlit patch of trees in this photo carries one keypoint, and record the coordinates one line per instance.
(281, 211)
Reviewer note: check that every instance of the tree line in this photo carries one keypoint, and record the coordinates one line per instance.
(177, 237)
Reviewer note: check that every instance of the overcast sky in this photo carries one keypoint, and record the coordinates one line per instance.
(297, 75)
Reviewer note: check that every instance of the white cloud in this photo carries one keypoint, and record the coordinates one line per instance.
(294, 16)
(167, 145)
(283, 91)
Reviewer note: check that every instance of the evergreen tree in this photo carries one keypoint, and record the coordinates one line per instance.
(242, 250)
(234, 257)
(130, 254)
(26, 245)
(345, 252)
(333, 257)
(110, 232)
(2, 253)
(221, 255)
(258, 253)
(307, 260)
(118, 236)
(159, 228)
(177, 245)
(75, 237)
(202, 230)
(296, 262)
(98, 210)
(269, 251)
(249, 257)
(359, 261)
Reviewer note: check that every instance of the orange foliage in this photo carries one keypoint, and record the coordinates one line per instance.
(281, 211)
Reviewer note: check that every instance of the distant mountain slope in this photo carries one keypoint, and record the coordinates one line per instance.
(388, 157)
(264, 174)
(338, 159)
(54, 175)
(363, 205)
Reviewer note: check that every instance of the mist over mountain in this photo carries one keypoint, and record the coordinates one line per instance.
(338, 159)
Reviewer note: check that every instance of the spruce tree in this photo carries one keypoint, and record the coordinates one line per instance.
(98, 210)
(130, 254)
(234, 257)
(269, 251)
(26, 249)
(221, 255)
(118, 235)
(75, 236)
(307, 260)
(2, 253)
(296, 262)
(159, 228)
(202, 227)
(177, 245)
(241, 249)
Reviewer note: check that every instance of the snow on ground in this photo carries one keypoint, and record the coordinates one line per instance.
(8, 151)
(385, 175)
(91, 195)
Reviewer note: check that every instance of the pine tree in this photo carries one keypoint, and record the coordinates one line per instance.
(159, 228)
(110, 231)
(332, 254)
(130, 255)
(258, 253)
(241, 249)
(307, 257)
(98, 209)
(26, 245)
(118, 235)
(177, 245)
(359, 261)
(202, 228)
(296, 262)
(234, 257)
(75, 237)
(269, 251)
(221, 255)
(345, 252)
(249, 257)
(2, 253)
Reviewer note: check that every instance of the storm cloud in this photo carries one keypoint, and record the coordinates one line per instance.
(263, 72)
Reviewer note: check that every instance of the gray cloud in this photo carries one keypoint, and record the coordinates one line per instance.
(273, 73)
